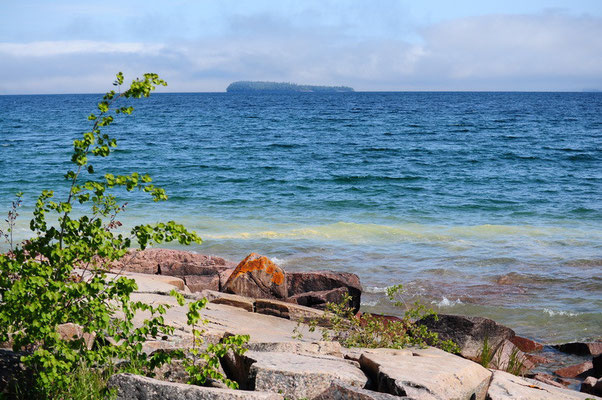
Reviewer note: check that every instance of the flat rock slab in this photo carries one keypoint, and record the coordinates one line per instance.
(505, 386)
(341, 391)
(295, 376)
(224, 319)
(234, 300)
(282, 309)
(425, 374)
(323, 348)
(135, 387)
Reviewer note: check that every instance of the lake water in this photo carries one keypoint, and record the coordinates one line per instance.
(479, 203)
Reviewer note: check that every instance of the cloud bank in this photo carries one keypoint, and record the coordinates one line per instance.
(547, 51)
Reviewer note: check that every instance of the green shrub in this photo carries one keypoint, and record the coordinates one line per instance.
(60, 275)
(341, 324)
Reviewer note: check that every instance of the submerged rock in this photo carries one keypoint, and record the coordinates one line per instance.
(258, 277)
(574, 371)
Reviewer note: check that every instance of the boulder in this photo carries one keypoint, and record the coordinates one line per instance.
(505, 386)
(135, 387)
(197, 283)
(526, 345)
(580, 348)
(320, 281)
(224, 275)
(295, 376)
(170, 262)
(469, 333)
(257, 277)
(425, 374)
(574, 371)
(592, 385)
(320, 299)
(286, 310)
(341, 391)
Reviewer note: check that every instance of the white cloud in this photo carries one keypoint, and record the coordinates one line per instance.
(549, 51)
(64, 47)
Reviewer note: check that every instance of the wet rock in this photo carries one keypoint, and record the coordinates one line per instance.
(135, 387)
(579, 348)
(320, 299)
(505, 386)
(228, 299)
(526, 345)
(538, 359)
(287, 310)
(341, 391)
(320, 281)
(469, 333)
(197, 283)
(592, 385)
(548, 379)
(257, 277)
(295, 376)
(425, 374)
(574, 371)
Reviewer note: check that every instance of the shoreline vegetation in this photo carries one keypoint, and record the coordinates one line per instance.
(89, 313)
(282, 87)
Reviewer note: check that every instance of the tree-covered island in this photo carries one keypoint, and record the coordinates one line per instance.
(282, 87)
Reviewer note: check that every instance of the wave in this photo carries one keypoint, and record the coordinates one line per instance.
(358, 233)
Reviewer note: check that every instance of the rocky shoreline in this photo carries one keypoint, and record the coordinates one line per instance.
(257, 298)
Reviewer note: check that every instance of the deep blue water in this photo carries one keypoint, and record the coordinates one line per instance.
(480, 203)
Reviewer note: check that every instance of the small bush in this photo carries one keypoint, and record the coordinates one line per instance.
(341, 324)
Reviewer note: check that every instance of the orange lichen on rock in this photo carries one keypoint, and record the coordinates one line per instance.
(255, 262)
(258, 277)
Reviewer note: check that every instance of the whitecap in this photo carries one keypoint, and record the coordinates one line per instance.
(445, 302)
(553, 313)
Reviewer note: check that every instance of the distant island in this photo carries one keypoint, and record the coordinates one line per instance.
(283, 87)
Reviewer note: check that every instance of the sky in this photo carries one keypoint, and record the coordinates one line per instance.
(65, 46)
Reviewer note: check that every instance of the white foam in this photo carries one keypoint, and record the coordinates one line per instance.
(553, 313)
(445, 302)
(376, 289)
(278, 261)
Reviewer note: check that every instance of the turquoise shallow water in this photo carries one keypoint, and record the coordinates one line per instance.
(480, 203)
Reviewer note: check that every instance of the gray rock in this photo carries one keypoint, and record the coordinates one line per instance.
(341, 391)
(295, 376)
(509, 358)
(469, 333)
(505, 386)
(425, 374)
(324, 348)
(135, 387)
